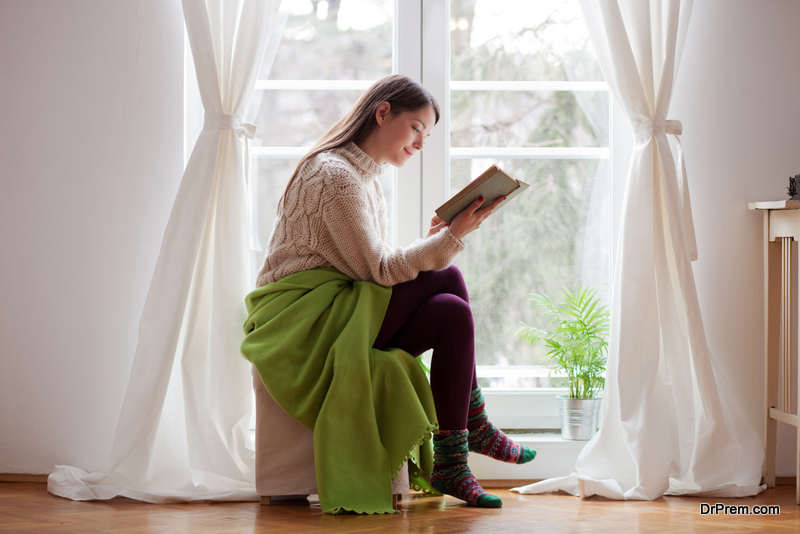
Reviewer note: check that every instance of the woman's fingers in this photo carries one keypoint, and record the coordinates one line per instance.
(496, 203)
(476, 204)
(471, 218)
(436, 225)
(485, 212)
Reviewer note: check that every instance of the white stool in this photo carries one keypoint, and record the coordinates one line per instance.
(285, 454)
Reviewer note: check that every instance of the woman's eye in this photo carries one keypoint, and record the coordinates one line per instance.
(415, 129)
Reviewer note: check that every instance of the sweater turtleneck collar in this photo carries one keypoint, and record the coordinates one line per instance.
(364, 164)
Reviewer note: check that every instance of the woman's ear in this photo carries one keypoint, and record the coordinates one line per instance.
(383, 113)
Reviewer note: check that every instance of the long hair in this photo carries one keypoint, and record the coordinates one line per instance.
(402, 93)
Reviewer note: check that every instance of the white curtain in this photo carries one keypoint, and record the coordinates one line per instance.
(669, 424)
(183, 431)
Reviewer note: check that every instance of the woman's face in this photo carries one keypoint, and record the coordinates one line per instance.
(398, 136)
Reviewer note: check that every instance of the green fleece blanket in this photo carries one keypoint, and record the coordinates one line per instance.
(310, 337)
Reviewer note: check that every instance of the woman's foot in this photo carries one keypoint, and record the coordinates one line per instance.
(451, 474)
(487, 439)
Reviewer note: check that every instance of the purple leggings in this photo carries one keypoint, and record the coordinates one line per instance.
(432, 312)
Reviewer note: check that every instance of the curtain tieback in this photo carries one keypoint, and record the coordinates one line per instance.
(242, 128)
(223, 121)
(645, 130)
(246, 130)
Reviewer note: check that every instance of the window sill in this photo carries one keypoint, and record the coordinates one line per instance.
(555, 457)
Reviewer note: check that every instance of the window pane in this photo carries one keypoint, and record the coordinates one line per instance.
(333, 40)
(552, 236)
(545, 40)
(292, 118)
(529, 118)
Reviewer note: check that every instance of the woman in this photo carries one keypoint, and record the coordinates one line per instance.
(333, 215)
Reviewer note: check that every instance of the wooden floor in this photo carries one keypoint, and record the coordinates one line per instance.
(29, 508)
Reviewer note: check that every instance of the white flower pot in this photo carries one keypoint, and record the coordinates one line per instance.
(579, 417)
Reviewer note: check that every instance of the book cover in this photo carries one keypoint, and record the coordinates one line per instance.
(492, 184)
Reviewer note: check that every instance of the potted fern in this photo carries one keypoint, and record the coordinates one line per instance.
(577, 339)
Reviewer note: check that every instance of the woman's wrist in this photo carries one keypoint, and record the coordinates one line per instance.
(453, 236)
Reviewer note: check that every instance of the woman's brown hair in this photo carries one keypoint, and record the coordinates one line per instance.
(401, 92)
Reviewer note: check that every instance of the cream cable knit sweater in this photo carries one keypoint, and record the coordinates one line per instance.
(334, 215)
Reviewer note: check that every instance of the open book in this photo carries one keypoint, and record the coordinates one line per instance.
(493, 183)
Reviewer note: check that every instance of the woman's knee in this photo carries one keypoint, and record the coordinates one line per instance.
(453, 282)
(452, 273)
(453, 314)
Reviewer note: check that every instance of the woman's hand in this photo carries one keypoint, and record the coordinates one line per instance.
(436, 225)
(471, 218)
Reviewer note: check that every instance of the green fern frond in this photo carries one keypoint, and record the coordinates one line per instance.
(577, 337)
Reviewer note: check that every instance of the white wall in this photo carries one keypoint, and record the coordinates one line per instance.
(738, 97)
(91, 132)
(91, 157)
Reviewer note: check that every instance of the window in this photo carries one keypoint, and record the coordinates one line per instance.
(526, 93)
(521, 88)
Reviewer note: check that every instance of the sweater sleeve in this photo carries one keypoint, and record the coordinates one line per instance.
(358, 250)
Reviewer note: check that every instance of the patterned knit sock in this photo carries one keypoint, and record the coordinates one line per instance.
(452, 476)
(485, 438)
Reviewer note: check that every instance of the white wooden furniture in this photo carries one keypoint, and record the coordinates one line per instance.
(781, 231)
(285, 454)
